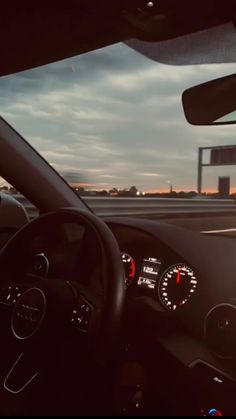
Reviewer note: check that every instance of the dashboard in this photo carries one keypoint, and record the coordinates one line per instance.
(180, 314)
(156, 271)
(151, 268)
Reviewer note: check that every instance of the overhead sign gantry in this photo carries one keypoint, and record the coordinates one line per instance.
(219, 156)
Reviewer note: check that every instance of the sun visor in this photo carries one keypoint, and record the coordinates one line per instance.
(211, 46)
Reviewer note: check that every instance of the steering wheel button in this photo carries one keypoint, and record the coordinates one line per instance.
(85, 308)
(81, 317)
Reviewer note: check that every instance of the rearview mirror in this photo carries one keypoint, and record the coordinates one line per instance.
(211, 103)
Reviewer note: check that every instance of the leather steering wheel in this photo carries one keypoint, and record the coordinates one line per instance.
(39, 315)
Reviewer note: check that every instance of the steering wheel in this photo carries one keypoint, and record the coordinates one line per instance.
(54, 329)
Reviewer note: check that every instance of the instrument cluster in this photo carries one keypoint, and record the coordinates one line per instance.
(174, 285)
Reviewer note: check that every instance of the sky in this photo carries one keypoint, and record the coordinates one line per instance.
(113, 118)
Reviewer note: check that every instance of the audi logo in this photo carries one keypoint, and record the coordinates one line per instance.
(27, 313)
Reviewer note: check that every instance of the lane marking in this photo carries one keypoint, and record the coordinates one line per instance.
(230, 230)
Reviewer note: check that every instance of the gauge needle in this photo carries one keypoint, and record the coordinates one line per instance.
(178, 277)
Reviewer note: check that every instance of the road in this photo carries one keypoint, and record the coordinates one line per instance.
(198, 215)
(225, 225)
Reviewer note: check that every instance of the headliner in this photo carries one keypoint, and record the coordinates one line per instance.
(48, 31)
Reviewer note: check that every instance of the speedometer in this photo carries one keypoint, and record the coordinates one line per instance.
(177, 286)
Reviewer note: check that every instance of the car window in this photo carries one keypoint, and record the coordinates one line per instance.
(111, 122)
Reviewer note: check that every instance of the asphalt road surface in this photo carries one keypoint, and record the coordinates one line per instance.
(219, 224)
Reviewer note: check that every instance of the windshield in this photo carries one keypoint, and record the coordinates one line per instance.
(111, 122)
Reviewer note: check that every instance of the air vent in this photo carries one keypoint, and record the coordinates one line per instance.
(220, 330)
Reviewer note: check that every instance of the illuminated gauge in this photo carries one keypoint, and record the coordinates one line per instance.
(177, 286)
(130, 269)
(39, 265)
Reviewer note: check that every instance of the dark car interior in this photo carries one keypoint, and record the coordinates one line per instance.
(116, 316)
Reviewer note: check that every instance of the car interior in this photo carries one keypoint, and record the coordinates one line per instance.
(110, 316)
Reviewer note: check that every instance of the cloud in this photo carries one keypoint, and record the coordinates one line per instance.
(143, 174)
(114, 118)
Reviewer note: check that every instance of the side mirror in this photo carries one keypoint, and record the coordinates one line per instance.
(211, 103)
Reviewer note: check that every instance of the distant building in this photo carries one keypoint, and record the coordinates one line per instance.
(224, 186)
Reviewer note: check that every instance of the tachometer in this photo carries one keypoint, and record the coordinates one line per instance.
(129, 266)
(177, 286)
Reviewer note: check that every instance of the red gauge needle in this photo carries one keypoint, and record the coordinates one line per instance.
(178, 278)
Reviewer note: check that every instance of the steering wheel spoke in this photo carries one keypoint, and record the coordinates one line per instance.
(21, 375)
